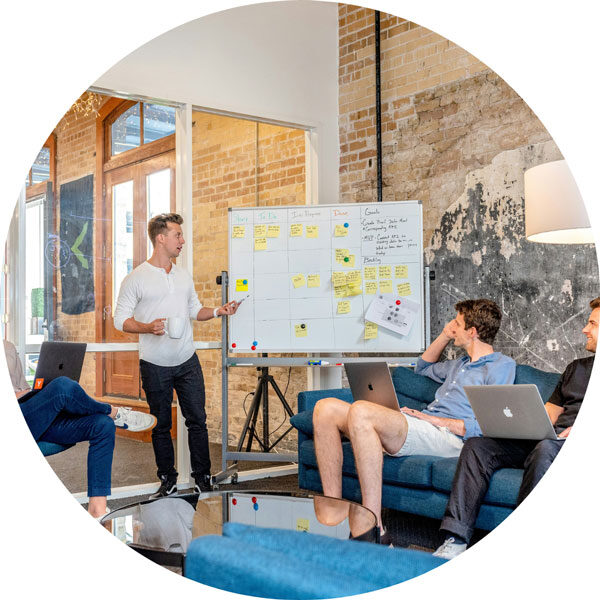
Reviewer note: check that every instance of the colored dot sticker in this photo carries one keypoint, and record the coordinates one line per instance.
(303, 326)
(234, 502)
(245, 282)
(346, 259)
(253, 347)
(255, 343)
(346, 225)
(233, 345)
(253, 499)
(256, 507)
(398, 302)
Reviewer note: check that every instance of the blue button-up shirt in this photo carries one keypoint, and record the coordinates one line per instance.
(451, 401)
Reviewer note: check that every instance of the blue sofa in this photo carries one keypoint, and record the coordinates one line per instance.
(418, 485)
(275, 563)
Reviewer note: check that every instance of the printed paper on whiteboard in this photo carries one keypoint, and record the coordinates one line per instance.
(395, 313)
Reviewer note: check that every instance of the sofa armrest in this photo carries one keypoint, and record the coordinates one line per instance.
(307, 400)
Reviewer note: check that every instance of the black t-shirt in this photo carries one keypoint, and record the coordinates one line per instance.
(570, 391)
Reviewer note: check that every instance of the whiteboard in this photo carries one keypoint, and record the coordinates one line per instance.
(309, 274)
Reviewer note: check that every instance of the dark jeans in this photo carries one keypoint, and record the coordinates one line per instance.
(187, 380)
(478, 460)
(63, 413)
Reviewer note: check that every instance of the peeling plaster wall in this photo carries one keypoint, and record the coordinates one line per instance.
(479, 250)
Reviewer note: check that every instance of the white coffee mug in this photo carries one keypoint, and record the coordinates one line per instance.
(175, 326)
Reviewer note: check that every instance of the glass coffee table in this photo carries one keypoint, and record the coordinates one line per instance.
(162, 529)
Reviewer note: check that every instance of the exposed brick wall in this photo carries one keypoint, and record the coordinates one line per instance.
(238, 163)
(444, 113)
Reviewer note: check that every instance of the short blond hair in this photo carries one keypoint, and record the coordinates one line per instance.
(158, 224)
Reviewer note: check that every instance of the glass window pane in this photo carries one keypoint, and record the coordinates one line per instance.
(158, 186)
(34, 271)
(125, 131)
(40, 171)
(122, 254)
(159, 121)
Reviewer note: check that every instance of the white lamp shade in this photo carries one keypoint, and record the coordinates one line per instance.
(554, 210)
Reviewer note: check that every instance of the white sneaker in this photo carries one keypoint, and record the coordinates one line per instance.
(450, 549)
(133, 420)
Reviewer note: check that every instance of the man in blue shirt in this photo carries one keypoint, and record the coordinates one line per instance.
(439, 430)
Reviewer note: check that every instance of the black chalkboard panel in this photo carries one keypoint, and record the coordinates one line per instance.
(77, 245)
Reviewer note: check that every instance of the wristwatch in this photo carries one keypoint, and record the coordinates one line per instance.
(215, 313)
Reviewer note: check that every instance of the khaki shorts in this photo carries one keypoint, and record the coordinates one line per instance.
(426, 439)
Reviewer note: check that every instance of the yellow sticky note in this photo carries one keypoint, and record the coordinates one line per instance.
(370, 330)
(312, 231)
(404, 289)
(370, 272)
(354, 278)
(340, 231)
(239, 231)
(338, 278)
(343, 307)
(241, 285)
(301, 330)
(260, 231)
(385, 272)
(340, 254)
(340, 291)
(298, 280)
(296, 230)
(385, 286)
(370, 287)
(273, 231)
(314, 281)
(354, 290)
(302, 524)
(260, 243)
(401, 272)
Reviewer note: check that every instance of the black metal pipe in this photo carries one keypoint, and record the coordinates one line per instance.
(378, 106)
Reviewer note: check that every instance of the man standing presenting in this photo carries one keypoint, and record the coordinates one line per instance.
(482, 456)
(438, 431)
(153, 292)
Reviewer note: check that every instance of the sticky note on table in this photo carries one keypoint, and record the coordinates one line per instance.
(370, 287)
(273, 231)
(298, 280)
(343, 307)
(404, 289)
(314, 281)
(338, 278)
(370, 330)
(385, 272)
(260, 243)
(301, 330)
(385, 286)
(370, 272)
(401, 272)
(241, 285)
(340, 254)
(340, 231)
(239, 231)
(354, 278)
(260, 231)
(296, 230)
(312, 231)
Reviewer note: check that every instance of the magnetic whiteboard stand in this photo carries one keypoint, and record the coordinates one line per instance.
(231, 472)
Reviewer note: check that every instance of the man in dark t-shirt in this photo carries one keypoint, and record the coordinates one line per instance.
(480, 457)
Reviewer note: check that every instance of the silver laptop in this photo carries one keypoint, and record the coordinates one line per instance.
(372, 381)
(511, 411)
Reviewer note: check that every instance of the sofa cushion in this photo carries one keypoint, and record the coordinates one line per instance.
(303, 422)
(412, 471)
(503, 489)
(412, 386)
(546, 382)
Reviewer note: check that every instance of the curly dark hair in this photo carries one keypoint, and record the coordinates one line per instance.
(483, 314)
(158, 224)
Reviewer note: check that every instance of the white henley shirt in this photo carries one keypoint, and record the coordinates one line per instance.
(150, 293)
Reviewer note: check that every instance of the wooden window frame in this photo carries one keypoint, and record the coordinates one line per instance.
(39, 189)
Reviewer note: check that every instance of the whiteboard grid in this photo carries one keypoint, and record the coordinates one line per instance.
(275, 307)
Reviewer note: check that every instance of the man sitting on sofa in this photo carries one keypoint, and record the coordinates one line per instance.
(440, 430)
(480, 457)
